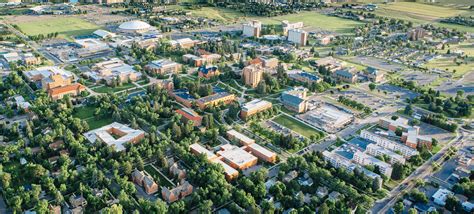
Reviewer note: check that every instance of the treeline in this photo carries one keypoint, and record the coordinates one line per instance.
(354, 104)
(40, 37)
(439, 121)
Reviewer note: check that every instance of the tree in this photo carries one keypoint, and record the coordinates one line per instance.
(323, 209)
(452, 204)
(398, 208)
(397, 172)
(408, 110)
(372, 86)
(42, 207)
(412, 211)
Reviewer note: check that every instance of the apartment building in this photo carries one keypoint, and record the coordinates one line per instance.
(298, 36)
(286, 25)
(388, 144)
(376, 150)
(364, 160)
(252, 29)
(252, 75)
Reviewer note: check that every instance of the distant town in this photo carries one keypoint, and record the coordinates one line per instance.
(246, 106)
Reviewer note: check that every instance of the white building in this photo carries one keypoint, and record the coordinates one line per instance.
(252, 29)
(286, 25)
(441, 195)
(336, 160)
(376, 150)
(364, 160)
(298, 36)
(115, 135)
(135, 26)
(388, 144)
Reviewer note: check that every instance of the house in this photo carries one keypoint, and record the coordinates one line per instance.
(144, 180)
(290, 176)
(321, 192)
(163, 66)
(77, 201)
(208, 71)
(440, 196)
(179, 192)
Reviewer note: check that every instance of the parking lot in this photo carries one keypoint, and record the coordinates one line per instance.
(361, 97)
(395, 92)
(378, 63)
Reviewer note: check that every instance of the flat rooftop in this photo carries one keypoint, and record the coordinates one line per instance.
(255, 104)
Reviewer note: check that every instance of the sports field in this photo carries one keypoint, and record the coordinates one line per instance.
(316, 20)
(67, 27)
(296, 126)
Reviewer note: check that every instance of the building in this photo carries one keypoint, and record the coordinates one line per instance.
(303, 76)
(182, 96)
(229, 172)
(252, 29)
(252, 75)
(237, 157)
(203, 59)
(413, 139)
(215, 100)
(208, 71)
(197, 149)
(21, 103)
(184, 43)
(72, 90)
(337, 161)
(416, 34)
(113, 70)
(330, 63)
(441, 195)
(163, 66)
(115, 135)
(375, 150)
(103, 34)
(374, 75)
(265, 62)
(148, 43)
(393, 125)
(179, 192)
(24, 58)
(39, 74)
(188, 114)
(253, 107)
(295, 99)
(328, 118)
(145, 180)
(261, 153)
(286, 25)
(298, 36)
(364, 159)
(239, 137)
(388, 144)
(135, 27)
(348, 75)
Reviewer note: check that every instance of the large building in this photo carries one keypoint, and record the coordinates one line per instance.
(441, 195)
(201, 60)
(298, 36)
(72, 90)
(388, 144)
(364, 159)
(254, 107)
(181, 191)
(24, 58)
(113, 70)
(410, 134)
(184, 43)
(250, 146)
(215, 100)
(375, 150)
(163, 66)
(55, 81)
(135, 26)
(348, 75)
(252, 75)
(328, 118)
(286, 25)
(237, 157)
(295, 99)
(208, 71)
(190, 115)
(252, 29)
(303, 76)
(115, 135)
(240, 138)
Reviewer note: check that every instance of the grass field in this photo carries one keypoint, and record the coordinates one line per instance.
(94, 124)
(447, 63)
(295, 125)
(107, 89)
(159, 179)
(67, 27)
(84, 112)
(316, 20)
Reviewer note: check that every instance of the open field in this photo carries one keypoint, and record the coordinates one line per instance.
(159, 179)
(94, 124)
(107, 89)
(419, 13)
(67, 27)
(295, 125)
(84, 112)
(314, 20)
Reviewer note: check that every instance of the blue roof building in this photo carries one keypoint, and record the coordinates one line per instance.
(295, 99)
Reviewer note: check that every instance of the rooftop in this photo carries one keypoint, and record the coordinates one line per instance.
(114, 134)
(255, 104)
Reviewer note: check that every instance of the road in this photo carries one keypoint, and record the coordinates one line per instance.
(425, 170)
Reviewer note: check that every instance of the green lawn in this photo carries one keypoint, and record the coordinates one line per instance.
(316, 20)
(295, 125)
(67, 27)
(84, 112)
(159, 179)
(94, 124)
(107, 89)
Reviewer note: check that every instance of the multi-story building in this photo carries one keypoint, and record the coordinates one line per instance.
(215, 100)
(364, 159)
(163, 66)
(388, 144)
(416, 34)
(115, 135)
(145, 180)
(202, 59)
(113, 70)
(346, 74)
(190, 115)
(413, 139)
(254, 107)
(252, 75)
(252, 29)
(179, 192)
(375, 150)
(375, 75)
(240, 138)
(298, 36)
(286, 25)
(73, 90)
(24, 58)
(236, 157)
(184, 43)
(393, 125)
(337, 161)
(295, 99)
(55, 81)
